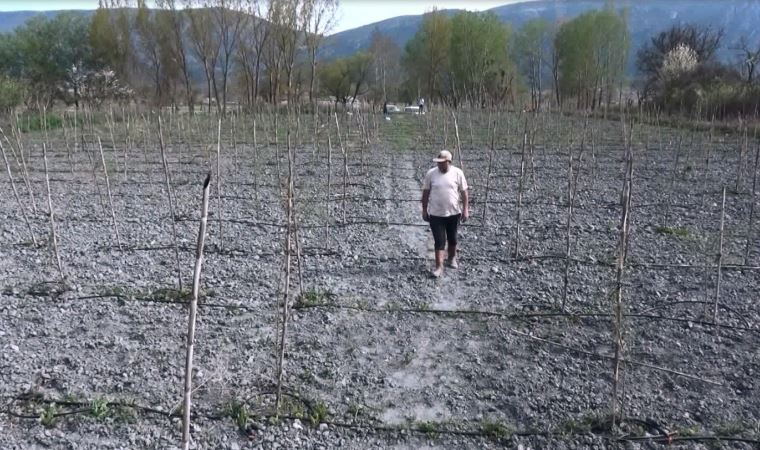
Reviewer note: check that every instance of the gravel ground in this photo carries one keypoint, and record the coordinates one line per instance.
(379, 354)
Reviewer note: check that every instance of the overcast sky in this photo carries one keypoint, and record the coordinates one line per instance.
(352, 13)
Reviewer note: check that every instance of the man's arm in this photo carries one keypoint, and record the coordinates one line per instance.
(425, 199)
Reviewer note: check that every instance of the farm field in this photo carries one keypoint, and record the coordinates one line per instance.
(515, 348)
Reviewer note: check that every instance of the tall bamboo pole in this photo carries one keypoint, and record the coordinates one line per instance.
(719, 257)
(110, 198)
(190, 343)
(753, 200)
(51, 215)
(618, 307)
(170, 197)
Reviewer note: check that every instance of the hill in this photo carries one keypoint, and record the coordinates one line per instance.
(10, 20)
(646, 18)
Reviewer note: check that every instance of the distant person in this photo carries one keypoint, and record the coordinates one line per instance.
(385, 108)
(443, 188)
(421, 105)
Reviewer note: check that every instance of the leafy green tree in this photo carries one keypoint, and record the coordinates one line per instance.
(426, 55)
(111, 39)
(592, 51)
(479, 56)
(11, 94)
(532, 51)
(346, 78)
(49, 56)
(335, 80)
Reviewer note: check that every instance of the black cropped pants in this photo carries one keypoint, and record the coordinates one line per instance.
(444, 229)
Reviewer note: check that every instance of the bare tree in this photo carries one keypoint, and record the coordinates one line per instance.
(250, 52)
(204, 43)
(749, 58)
(230, 18)
(175, 22)
(317, 17)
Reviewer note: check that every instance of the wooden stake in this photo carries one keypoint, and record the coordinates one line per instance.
(520, 187)
(110, 199)
(170, 195)
(18, 199)
(488, 173)
(752, 207)
(719, 257)
(190, 343)
(459, 144)
(219, 181)
(51, 215)
(345, 167)
(618, 308)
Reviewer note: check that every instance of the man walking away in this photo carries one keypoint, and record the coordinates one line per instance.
(443, 188)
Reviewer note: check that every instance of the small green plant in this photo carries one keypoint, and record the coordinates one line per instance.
(730, 428)
(312, 297)
(238, 411)
(242, 418)
(70, 398)
(427, 427)
(49, 416)
(495, 430)
(672, 231)
(689, 431)
(318, 413)
(125, 414)
(99, 408)
(590, 423)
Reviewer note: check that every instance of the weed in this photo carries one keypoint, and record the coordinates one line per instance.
(238, 411)
(672, 231)
(590, 423)
(495, 430)
(730, 428)
(70, 398)
(312, 297)
(427, 427)
(99, 408)
(49, 416)
(124, 414)
(689, 431)
(318, 413)
(172, 295)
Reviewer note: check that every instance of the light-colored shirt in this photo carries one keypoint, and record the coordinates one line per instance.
(445, 191)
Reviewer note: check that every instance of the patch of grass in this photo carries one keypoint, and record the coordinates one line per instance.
(238, 411)
(731, 428)
(318, 413)
(172, 295)
(99, 408)
(49, 416)
(672, 231)
(689, 431)
(52, 289)
(427, 427)
(36, 121)
(590, 423)
(313, 296)
(293, 408)
(495, 430)
(124, 414)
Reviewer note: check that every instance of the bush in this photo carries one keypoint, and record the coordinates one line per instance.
(11, 94)
(35, 121)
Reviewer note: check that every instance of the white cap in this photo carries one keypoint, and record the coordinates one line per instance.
(445, 155)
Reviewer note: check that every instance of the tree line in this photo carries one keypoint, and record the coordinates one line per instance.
(207, 53)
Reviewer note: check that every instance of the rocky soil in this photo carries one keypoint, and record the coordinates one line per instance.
(379, 354)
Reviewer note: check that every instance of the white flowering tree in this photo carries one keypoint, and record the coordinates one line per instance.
(681, 60)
